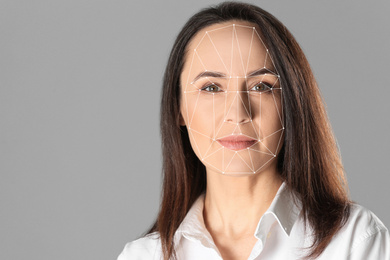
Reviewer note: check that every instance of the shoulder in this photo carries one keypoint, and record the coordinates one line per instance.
(364, 220)
(366, 232)
(147, 247)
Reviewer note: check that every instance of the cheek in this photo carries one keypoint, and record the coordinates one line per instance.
(270, 119)
(271, 124)
(201, 112)
(266, 111)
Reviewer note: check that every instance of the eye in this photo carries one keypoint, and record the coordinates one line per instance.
(212, 88)
(261, 87)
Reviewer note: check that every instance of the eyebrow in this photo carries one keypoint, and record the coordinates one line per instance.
(261, 71)
(208, 73)
(216, 74)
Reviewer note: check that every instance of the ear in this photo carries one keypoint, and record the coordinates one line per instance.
(181, 120)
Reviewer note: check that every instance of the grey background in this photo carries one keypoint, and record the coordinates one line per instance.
(79, 102)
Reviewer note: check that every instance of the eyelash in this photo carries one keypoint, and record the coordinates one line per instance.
(211, 85)
(263, 84)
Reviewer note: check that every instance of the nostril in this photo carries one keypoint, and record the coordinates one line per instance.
(245, 120)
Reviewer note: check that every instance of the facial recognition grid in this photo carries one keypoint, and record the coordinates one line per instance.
(247, 101)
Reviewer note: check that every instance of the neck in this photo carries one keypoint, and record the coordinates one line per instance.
(234, 204)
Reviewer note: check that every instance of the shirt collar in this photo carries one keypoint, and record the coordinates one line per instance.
(193, 227)
(283, 208)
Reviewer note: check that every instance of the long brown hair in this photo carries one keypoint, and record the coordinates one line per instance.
(309, 161)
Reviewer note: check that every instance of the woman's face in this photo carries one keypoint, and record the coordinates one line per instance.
(231, 99)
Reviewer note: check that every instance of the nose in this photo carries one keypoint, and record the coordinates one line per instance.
(237, 109)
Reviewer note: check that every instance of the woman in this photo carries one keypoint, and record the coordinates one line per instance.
(251, 167)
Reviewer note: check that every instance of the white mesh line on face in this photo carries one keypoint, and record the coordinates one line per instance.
(197, 147)
(196, 103)
(239, 49)
(249, 100)
(188, 77)
(273, 64)
(200, 59)
(248, 113)
(208, 155)
(264, 164)
(231, 105)
(250, 158)
(250, 49)
(260, 115)
(227, 166)
(277, 109)
(254, 150)
(280, 139)
(232, 53)
(245, 162)
(216, 50)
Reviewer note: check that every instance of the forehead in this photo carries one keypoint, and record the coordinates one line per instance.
(234, 48)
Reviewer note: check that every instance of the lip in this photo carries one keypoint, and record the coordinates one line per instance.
(236, 142)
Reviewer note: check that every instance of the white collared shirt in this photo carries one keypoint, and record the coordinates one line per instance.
(280, 235)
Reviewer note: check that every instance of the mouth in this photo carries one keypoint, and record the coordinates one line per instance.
(236, 142)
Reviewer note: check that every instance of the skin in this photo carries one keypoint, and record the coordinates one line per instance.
(240, 184)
